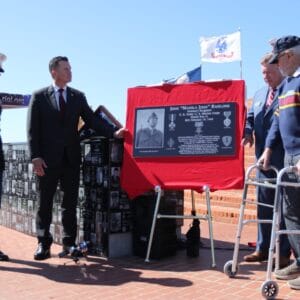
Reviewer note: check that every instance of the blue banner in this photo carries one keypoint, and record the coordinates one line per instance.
(14, 100)
(191, 76)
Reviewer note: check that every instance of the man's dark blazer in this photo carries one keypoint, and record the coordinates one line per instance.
(49, 137)
(259, 121)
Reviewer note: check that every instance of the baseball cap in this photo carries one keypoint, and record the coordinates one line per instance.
(282, 44)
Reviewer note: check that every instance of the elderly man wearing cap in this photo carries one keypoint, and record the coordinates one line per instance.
(286, 53)
(150, 137)
(259, 120)
(3, 257)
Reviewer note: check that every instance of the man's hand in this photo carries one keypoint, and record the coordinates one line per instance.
(248, 139)
(120, 133)
(264, 160)
(38, 166)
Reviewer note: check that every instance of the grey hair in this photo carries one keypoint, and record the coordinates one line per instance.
(265, 59)
(295, 50)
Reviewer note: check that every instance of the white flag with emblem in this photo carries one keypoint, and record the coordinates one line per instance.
(220, 49)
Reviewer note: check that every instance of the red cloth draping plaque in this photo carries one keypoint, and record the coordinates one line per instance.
(184, 137)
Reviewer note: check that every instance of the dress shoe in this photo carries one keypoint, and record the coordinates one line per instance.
(3, 257)
(74, 251)
(256, 256)
(42, 252)
(65, 251)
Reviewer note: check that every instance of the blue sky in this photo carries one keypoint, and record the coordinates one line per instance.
(114, 45)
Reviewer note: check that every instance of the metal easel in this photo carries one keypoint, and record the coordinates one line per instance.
(206, 217)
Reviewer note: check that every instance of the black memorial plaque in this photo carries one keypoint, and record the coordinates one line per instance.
(186, 130)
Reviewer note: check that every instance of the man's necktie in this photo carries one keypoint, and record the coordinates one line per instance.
(270, 97)
(62, 103)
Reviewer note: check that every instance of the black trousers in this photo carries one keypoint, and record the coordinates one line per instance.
(266, 196)
(291, 205)
(68, 176)
(1, 181)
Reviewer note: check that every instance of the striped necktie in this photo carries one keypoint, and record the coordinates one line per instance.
(270, 97)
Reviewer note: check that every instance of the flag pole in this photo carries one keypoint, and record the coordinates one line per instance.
(241, 69)
(201, 66)
(241, 74)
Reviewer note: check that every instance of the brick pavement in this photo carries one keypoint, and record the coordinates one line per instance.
(177, 277)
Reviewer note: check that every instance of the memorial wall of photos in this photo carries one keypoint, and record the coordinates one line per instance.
(103, 208)
(104, 212)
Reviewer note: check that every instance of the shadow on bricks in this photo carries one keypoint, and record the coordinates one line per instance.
(117, 271)
(91, 273)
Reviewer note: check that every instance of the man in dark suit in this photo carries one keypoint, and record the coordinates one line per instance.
(3, 256)
(258, 123)
(53, 138)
